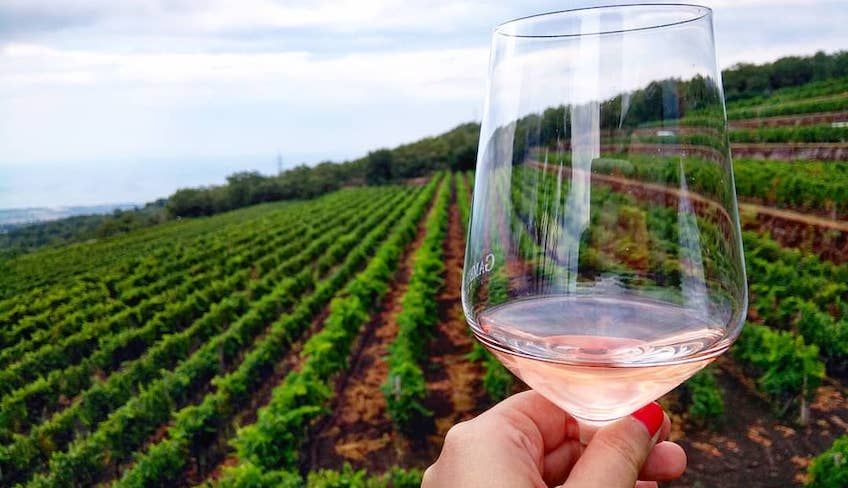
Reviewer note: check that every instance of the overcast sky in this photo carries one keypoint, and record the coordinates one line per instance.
(104, 100)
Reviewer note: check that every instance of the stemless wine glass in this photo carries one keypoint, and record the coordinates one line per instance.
(604, 263)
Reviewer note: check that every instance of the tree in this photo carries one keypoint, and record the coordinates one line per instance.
(378, 169)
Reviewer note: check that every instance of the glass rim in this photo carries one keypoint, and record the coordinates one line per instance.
(704, 11)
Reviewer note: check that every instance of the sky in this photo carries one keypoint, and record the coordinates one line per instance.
(125, 101)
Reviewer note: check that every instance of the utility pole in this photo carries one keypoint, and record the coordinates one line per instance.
(279, 163)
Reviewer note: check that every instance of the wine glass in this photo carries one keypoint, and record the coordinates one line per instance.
(604, 262)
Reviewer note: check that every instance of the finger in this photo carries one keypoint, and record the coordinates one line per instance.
(532, 409)
(666, 461)
(558, 463)
(616, 453)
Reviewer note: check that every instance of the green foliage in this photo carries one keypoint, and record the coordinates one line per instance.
(787, 368)
(276, 436)
(351, 478)
(746, 81)
(378, 167)
(405, 387)
(131, 327)
(706, 402)
(133, 421)
(277, 258)
(804, 133)
(497, 380)
(825, 104)
(810, 186)
(20, 239)
(790, 85)
(455, 149)
(274, 440)
(249, 188)
(248, 475)
(830, 468)
(800, 292)
(463, 199)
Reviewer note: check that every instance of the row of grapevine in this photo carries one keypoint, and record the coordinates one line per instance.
(128, 422)
(497, 380)
(830, 468)
(116, 257)
(704, 398)
(822, 104)
(141, 284)
(272, 443)
(134, 279)
(786, 368)
(43, 395)
(463, 200)
(816, 89)
(30, 277)
(774, 135)
(250, 476)
(192, 427)
(829, 96)
(806, 133)
(405, 387)
(802, 185)
(800, 292)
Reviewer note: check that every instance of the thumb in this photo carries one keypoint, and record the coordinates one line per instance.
(616, 453)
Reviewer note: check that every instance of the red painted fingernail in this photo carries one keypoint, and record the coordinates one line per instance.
(651, 416)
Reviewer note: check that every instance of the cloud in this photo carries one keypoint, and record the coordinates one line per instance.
(220, 17)
(425, 73)
(110, 81)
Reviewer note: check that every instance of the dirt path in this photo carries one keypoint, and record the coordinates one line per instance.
(359, 431)
(791, 120)
(455, 390)
(220, 454)
(826, 237)
(801, 218)
(752, 448)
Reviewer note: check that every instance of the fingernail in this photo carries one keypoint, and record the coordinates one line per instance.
(651, 416)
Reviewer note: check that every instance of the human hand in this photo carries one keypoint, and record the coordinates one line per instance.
(527, 441)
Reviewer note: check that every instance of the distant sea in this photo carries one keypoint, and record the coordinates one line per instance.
(15, 217)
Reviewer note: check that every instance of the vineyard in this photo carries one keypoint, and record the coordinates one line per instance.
(321, 343)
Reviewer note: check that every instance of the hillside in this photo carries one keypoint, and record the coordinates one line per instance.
(320, 340)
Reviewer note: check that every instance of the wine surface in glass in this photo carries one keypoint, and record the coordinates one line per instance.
(597, 357)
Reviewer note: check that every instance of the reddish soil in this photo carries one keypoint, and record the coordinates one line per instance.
(359, 431)
(791, 120)
(752, 447)
(453, 382)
